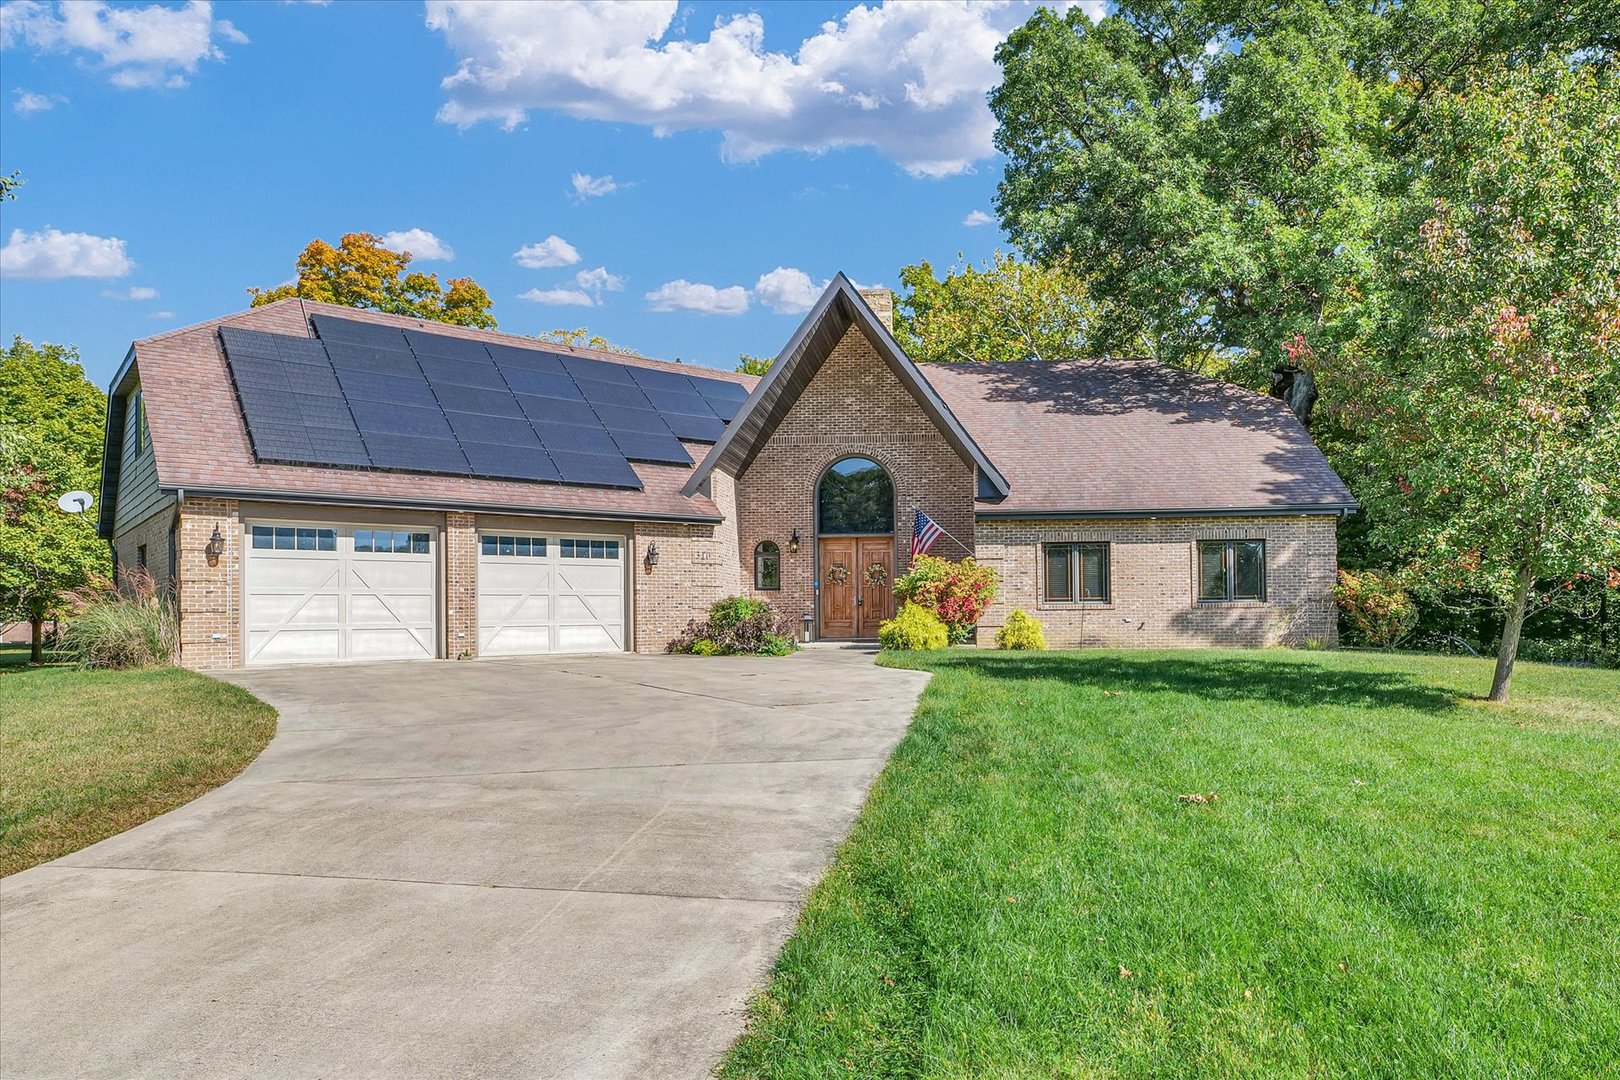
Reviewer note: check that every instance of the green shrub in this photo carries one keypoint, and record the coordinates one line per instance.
(1379, 611)
(957, 592)
(131, 626)
(915, 629)
(1020, 631)
(737, 626)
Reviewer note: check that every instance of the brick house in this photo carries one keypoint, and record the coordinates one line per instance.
(324, 484)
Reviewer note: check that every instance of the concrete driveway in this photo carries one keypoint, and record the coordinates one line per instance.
(561, 867)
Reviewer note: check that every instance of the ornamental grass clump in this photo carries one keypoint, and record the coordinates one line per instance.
(957, 592)
(130, 625)
(1021, 631)
(915, 629)
(737, 626)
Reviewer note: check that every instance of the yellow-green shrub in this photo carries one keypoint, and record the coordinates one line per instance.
(914, 629)
(1020, 631)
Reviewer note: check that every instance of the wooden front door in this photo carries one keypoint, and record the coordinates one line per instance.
(857, 585)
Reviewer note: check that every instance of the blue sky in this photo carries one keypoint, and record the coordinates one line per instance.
(176, 154)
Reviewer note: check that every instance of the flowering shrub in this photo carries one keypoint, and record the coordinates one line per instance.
(915, 629)
(737, 626)
(1376, 606)
(1021, 631)
(958, 592)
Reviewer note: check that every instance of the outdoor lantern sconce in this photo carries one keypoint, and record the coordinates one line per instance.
(793, 543)
(214, 548)
(652, 557)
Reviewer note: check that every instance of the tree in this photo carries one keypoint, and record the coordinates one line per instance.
(1486, 390)
(749, 364)
(9, 186)
(1223, 168)
(580, 337)
(51, 425)
(1008, 310)
(360, 272)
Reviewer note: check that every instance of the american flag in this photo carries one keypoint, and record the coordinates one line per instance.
(925, 533)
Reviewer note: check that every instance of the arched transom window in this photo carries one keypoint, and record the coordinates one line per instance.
(856, 498)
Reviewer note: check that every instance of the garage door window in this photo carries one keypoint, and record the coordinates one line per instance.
(395, 541)
(588, 549)
(290, 538)
(533, 547)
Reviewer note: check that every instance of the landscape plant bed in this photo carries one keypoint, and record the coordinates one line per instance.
(1192, 864)
(86, 754)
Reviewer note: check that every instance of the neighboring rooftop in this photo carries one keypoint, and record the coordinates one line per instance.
(1126, 436)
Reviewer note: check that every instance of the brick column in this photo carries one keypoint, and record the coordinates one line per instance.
(461, 585)
(209, 597)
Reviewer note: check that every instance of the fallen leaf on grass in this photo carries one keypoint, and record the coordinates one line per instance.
(1111, 693)
(1248, 995)
(1124, 972)
(1197, 798)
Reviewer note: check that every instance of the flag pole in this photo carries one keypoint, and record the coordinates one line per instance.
(943, 532)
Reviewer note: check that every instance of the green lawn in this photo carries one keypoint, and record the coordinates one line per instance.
(1396, 879)
(87, 754)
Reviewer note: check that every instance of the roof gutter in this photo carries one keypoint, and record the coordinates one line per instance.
(1306, 510)
(377, 502)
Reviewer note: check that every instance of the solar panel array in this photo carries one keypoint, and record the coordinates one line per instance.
(372, 396)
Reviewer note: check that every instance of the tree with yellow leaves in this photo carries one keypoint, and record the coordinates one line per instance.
(360, 272)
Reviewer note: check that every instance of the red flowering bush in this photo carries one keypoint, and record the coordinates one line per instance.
(958, 592)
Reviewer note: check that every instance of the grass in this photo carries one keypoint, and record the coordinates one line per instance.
(1396, 879)
(87, 754)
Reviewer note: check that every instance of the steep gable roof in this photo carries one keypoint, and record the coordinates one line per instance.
(839, 308)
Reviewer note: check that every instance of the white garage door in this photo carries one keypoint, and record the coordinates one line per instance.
(550, 594)
(320, 593)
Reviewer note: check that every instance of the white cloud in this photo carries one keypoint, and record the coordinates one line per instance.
(137, 47)
(28, 102)
(587, 292)
(976, 218)
(552, 251)
(53, 254)
(683, 295)
(587, 186)
(134, 292)
(423, 245)
(161, 315)
(574, 297)
(907, 79)
(787, 291)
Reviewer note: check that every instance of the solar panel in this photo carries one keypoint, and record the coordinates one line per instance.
(647, 446)
(476, 400)
(528, 359)
(598, 392)
(492, 429)
(615, 418)
(368, 386)
(725, 410)
(656, 379)
(542, 383)
(510, 462)
(676, 401)
(416, 453)
(600, 470)
(555, 410)
(575, 437)
(365, 333)
(386, 418)
(696, 428)
(581, 367)
(461, 373)
(719, 388)
(443, 345)
(348, 354)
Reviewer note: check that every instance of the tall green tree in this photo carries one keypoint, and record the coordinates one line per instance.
(1485, 393)
(1007, 310)
(52, 419)
(749, 364)
(1224, 167)
(360, 272)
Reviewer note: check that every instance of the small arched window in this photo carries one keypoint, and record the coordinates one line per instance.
(767, 566)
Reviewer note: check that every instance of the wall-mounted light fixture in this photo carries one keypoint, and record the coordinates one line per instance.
(793, 543)
(214, 548)
(652, 557)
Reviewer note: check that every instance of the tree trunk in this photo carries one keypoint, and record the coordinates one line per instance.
(36, 650)
(1511, 629)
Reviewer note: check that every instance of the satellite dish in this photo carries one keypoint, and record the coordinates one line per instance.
(76, 502)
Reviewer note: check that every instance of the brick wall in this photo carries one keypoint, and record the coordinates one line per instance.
(154, 533)
(855, 406)
(1154, 582)
(461, 585)
(697, 565)
(209, 597)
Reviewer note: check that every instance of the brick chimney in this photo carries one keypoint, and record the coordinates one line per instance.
(881, 301)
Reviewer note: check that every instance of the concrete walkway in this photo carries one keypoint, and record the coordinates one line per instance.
(561, 867)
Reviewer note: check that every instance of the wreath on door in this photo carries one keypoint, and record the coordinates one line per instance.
(877, 576)
(838, 573)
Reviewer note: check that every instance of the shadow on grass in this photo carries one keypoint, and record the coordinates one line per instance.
(1294, 684)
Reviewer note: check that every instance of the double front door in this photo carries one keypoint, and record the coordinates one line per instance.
(857, 585)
